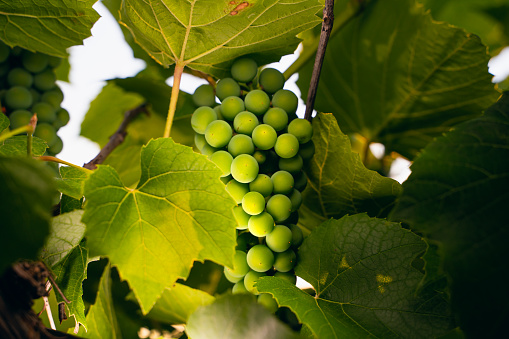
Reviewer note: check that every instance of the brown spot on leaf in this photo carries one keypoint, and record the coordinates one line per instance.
(239, 8)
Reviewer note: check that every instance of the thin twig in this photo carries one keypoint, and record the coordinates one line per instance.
(48, 308)
(328, 21)
(55, 285)
(117, 138)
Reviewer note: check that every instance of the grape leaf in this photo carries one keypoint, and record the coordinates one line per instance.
(398, 78)
(69, 204)
(179, 213)
(26, 196)
(338, 182)
(72, 181)
(17, 146)
(69, 275)
(457, 197)
(4, 122)
(208, 35)
(236, 316)
(49, 27)
(361, 269)
(125, 160)
(66, 232)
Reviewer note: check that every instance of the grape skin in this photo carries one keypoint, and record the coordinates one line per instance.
(276, 117)
(241, 217)
(287, 145)
(286, 100)
(264, 137)
(302, 130)
(201, 118)
(280, 239)
(204, 96)
(260, 258)
(260, 225)
(244, 168)
(279, 206)
(244, 70)
(283, 182)
(237, 190)
(250, 279)
(227, 87)
(253, 203)
(271, 80)
(245, 122)
(285, 261)
(223, 160)
(240, 144)
(231, 106)
(262, 184)
(257, 102)
(218, 133)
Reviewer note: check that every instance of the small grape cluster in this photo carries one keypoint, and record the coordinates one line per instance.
(255, 137)
(28, 86)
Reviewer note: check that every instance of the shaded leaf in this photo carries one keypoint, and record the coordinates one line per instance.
(338, 182)
(69, 204)
(457, 197)
(49, 27)
(4, 122)
(17, 146)
(125, 159)
(72, 181)
(398, 78)
(236, 316)
(365, 284)
(179, 213)
(203, 34)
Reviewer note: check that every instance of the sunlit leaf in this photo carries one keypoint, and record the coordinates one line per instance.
(72, 181)
(17, 146)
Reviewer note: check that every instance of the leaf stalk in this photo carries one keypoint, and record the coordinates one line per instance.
(177, 76)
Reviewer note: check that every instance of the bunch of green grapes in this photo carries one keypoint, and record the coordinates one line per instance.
(256, 139)
(28, 86)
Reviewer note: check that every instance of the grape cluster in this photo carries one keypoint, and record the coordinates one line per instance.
(256, 139)
(28, 86)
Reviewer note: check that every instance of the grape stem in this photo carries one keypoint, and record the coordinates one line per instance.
(63, 162)
(177, 75)
(328, 22)
(32, 124)
(14, 132)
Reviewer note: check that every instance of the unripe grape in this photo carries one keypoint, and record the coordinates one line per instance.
(199, 141)
(253, 203)
(246, 240)
(231, 278)
(241, 217)
(226, 179)
(53, 97)
(201, 118)
(301, 181)
(279, 207)
(296, 199)
(19, 118)
(286, 146)
(276, 117)
(260, 225)
(217, 108)
(288, 276)
(19, 77)
(245, 122)
(257, 102)
(280, 239)
(260, 258)
(240, 266)
(204, 96)
(292, 165)
(264, 137)
(297, 235)
(302, 130)
(283, 182)
(250, 281)
(18, 97)
(268, 302)
(239, 287)
(45, 112)
(231, 106)
(57, 146)
(307, 150)
(63, 116)
(218, 133)
(34, 62)
(262, 184)
(223, 160)
(284, 261)
(244, 69)
(260, 156)
(292, 219)
(208, 150)
(45, 80)
(46, 132)
(237, 190)
(4, 51)
(240, 144)
(244, 168)
(271, 80)
(54, 61)
(227, 87)
(286, 100)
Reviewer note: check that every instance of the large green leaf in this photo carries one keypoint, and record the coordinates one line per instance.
(17, 146)
(361, 269)
(208, 35)
(4, 122)
(236, 316)
(26, 195)
(457, 197)
(338, 182)
(178, 213)
(49, 27)
(398, 78)
(72, 181)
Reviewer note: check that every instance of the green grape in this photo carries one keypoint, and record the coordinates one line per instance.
(240, 266)
(199, 141)
(237, 190)
(307, 150)
(34, 62)
(231, 106)
(301, 181)
(45, 80)
(218, 112)
(19, 118)
(283, 182)
(279, 206)
(204, 96)
(270, 164)
(302, 130)
(226, 179)
(63, 116)
(218, 133)
(227, 87)
(284, 261)
(271, 80)
(292, 165)
(241, 216)
(292, 219)
(260, 225)
(20, 77)
(57, 146)
(4, 52)
(288, 276)
(244, 70)
(46, 132)
(280, 239)
(230, 277)
(264, 137)
(246, 240)
(297, 235)
(286, 146)
(201, 118)
(296, 199)
(262, 184)
(53, 97)
(240, 144)
(223, 160)
(257, 102)
(208, 150)
(286, 100)
(268, 302)
(260, 258)
(245, 122)
(276, 117)
(260, 156)
(244, 168)
(250, 280)
(45, 112)
(54, 61)
(253, 203)
(18, 97)
(239, 288)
